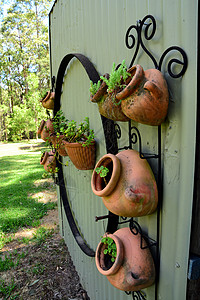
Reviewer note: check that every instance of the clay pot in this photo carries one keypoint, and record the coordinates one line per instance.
(129, 189)
(107, 103)
(133, 268)
(48, 100)
(58, 144)
(83, 158)
(45, 129)
(145, 98)
(48, 160)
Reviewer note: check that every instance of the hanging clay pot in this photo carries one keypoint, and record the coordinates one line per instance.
(58, 144)
(83, 158)
(108, 106)
(48, 160)
(145, 98)
(129, 189)
(48, 100)
(133, 268)
(45, 129)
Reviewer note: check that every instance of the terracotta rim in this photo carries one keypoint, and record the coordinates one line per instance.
(119, 258)
(44, 158)
(97, 181)
(137, 74)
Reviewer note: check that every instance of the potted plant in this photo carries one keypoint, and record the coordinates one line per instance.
(48, 100)
(141, 95)
(45, 129)
(48, 160)
(59, 125)
(80, 144)
(132, 267)
(104, 93)
(129, 188)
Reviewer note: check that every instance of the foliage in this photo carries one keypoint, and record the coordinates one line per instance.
(115, 80)
(24, 64)
(72, 132)
(94, 87)
(102, 171)
(111, 248)
(117, 77)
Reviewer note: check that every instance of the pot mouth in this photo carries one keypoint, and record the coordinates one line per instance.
(103, 186)
(43, 158)
(103, 263)
(42, 123)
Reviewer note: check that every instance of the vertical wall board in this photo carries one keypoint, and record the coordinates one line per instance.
(97, 29)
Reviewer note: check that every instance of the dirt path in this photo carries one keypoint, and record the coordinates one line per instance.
(40, 271)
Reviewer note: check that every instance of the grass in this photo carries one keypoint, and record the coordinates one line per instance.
(17, 208)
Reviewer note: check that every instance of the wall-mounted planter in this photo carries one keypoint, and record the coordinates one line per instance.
(107, 105)
(133, 268)
(48, 100)
(58, 144)
(45, 129)
(48, 160)
(130, 189)
(82, 157)
(145, 98)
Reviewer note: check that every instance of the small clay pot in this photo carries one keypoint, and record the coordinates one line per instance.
(48, 100)
(83, 158)
(45, 129)
(129, 189)
(133, 268)
(48, 160)
(145, 98)
(58, 144)
(108, 105)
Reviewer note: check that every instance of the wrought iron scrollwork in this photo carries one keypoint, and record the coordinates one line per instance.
(148, 26)
(137, 295)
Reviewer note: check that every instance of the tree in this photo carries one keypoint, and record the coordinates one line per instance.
(24, 54)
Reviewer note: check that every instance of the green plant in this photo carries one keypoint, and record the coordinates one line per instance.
(115, 81)
(102, 171)
(111, 248)
(94, 87)
(117, 77)
(78, 133)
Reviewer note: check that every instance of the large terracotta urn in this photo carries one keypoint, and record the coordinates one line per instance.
(129, 188)
(46, 129)
(133, 268)
(145, 97)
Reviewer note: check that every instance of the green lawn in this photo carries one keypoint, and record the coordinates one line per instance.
(17, 209)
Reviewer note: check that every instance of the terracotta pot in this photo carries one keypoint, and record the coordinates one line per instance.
(83, 158)
(48, 160)
(45, 129)
(130, 189)
(145, 98)
(58, 144)
(133, 268)
(48, 100)
(107, 103)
